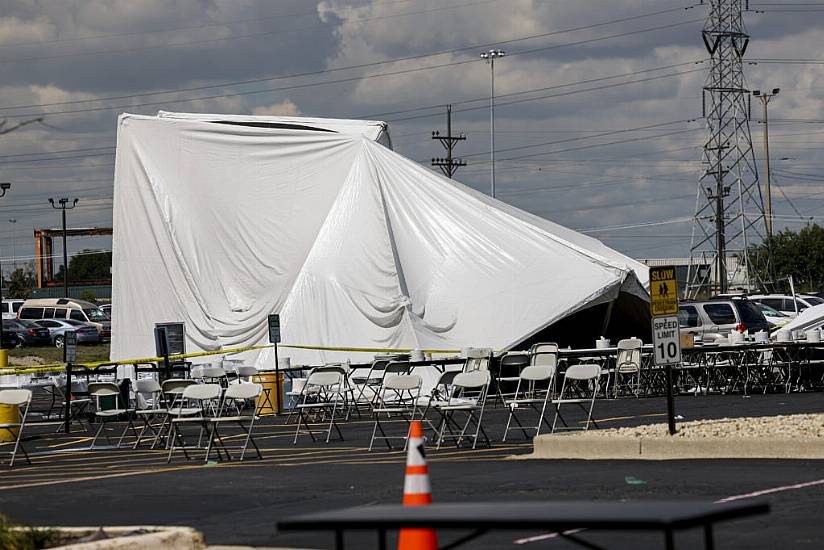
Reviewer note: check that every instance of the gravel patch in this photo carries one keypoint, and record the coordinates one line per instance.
(804, 426)
(26, 361)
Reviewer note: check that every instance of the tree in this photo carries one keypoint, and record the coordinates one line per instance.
(797, 254)
(88, 265)
(21, 283)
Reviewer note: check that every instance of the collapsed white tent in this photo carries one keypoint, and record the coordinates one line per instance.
(221, 220)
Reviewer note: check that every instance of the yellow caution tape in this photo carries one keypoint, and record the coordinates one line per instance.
(56, 367)
(61, 367)
(368, 350)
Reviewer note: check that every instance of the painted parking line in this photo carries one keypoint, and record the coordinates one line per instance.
(744, 496)
(99, 477)
(773, 490)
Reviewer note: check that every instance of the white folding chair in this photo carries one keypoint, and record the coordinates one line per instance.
(21, 399)
(468, 397)
(77, 406)
(197, 406)
(587, 375)
(366, 385)
(246, 372)
(478, 359)
(321, 397)
(150, 407)
(239, 395)
(99, 391)
(509, 370)
(628, 365)
(212, 374)
(545, 353)
(533, 392)
(398, 395)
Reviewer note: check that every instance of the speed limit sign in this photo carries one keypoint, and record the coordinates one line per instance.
(666, 340)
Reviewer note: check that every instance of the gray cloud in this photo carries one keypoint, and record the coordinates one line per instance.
(77, 50)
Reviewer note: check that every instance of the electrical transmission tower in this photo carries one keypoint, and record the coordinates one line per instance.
(448, 165)
(729, 211)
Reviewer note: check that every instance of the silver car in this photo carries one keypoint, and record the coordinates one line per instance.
(86, 334)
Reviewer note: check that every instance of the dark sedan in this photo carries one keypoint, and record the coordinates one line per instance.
(27, 332)
(9, 339)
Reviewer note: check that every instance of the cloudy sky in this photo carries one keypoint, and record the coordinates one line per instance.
(598, 102)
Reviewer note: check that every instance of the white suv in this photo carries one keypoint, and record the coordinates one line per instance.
(784, 302)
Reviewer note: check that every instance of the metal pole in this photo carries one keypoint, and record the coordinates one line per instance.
(720, 237)
(278, 390)
(768, 206)
(492, 122)
(5, 186)
(449, 137)
(65, 258)
(670, 402)
(13, 222)
(68, 396)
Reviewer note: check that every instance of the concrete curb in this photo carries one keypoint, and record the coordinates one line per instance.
(585, 447)
(168, 538)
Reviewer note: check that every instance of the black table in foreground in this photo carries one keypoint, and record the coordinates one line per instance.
(556, 516)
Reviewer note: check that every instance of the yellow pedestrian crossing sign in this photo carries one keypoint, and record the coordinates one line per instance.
(663, 291)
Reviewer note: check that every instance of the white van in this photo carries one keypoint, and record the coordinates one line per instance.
(10, 307)
(67, 308)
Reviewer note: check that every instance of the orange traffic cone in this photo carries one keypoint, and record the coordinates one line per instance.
(416, 491)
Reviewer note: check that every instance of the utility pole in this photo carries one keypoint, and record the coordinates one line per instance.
(64, 206)
(723, 229)
(765, 98)
(490, 56)
(448, 165)
(4, 359)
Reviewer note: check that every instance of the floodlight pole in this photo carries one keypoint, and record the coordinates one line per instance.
(5, 186)
(765, 98)
(63, 205)
(490, 56)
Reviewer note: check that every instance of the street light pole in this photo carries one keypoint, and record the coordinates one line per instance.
(765, 98)
(64, 206)
(490, 56)
(5, 186)
(13, 222)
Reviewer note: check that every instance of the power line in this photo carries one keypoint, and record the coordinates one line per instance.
(348, 67)
(348, 79)
(235, 37)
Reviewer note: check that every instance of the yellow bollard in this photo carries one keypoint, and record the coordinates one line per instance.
(4, 358)
(267, 403)
(9, 414)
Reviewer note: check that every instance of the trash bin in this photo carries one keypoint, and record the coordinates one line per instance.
(9, 414)
(267, 403)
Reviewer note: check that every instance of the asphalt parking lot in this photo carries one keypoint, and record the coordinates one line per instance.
(240, 503)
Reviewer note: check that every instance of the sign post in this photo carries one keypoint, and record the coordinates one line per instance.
(274, 338)
(69, 357)
(666, 334)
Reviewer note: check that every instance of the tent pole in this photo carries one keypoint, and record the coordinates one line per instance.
(607, 317)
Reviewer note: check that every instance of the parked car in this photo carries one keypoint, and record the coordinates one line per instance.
(86, 334)
(65, 308)
(784, 302)
(710, 320)
(773, 315)
(10, 308)
(27, 333)
(10, 340)
(107, 309)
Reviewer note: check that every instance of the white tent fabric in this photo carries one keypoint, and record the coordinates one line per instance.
(371, 129)
(810, 318)
(219, 225)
